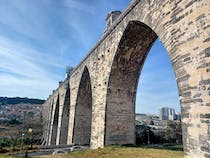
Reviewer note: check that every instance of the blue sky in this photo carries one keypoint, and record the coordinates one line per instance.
(39, 38)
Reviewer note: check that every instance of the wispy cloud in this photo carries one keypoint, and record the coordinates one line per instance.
(20, 69)
(22, 54)
(73, 4)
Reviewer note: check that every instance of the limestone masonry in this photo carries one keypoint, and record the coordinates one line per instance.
(95, 105)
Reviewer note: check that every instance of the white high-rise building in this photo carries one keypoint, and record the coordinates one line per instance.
(164, 113)
(167, 113)
(172, 114)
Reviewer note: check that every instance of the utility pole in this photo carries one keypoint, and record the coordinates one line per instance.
(31, 136)
(21, 143)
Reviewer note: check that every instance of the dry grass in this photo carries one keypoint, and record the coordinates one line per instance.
(4, 156)
(122, 152)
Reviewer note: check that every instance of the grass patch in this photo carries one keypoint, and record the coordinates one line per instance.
(123, 152)
(173, 148)
(4, 156)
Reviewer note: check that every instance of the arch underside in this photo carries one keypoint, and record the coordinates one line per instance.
(83, 112)
(65, 119)
(128, 61)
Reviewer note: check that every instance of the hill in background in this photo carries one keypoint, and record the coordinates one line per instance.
(17, 115)
(17, 100)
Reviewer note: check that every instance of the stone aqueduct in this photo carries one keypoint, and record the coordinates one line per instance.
(95, 105)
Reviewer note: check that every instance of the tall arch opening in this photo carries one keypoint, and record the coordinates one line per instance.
(49, 122)
(55, 123)
(123, 80)
(158, 119)
(65, 118)
(83, 111)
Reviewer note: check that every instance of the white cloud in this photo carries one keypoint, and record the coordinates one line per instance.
(79, 6)
(22, 71)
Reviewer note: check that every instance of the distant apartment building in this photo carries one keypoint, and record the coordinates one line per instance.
(167, 113)
(141, 116)
(172, 114)
(178, 116)
(146, 119)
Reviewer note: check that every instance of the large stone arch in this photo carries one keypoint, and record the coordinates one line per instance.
(83, 111)
(55, 123)
(121, 93)
(65, 118)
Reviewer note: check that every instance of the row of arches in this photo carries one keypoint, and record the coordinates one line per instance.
(127, 64)
(54, 120)
(120, 94)
(83, 115)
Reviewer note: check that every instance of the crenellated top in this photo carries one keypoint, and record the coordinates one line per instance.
(111, 18)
